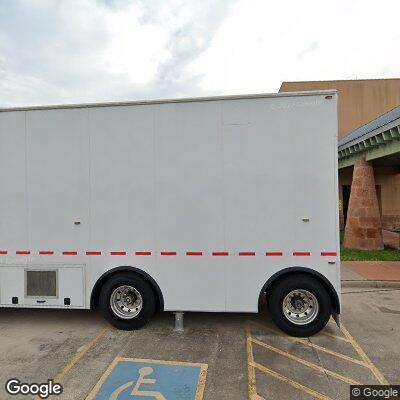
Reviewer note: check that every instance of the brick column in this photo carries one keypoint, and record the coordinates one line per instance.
(363, 226)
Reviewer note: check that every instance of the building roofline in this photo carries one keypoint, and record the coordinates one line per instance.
(179, 100)
(344, 80)
(370, 127)
(376, 139)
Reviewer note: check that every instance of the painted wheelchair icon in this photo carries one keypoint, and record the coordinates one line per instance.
(130, 379)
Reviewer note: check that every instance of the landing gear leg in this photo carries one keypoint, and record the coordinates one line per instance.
(178, 321)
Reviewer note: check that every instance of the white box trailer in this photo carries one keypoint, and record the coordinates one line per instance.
(204, 204)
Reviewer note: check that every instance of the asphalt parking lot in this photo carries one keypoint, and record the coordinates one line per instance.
(243, 355)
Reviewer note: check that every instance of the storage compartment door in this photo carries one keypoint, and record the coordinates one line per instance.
(35, 286)
(12, 285)
(71, 285)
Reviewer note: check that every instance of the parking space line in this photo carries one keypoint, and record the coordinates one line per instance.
(317, 347)
(333, 336)
(78, 356)
(305, 362)
(290, 382)
(102, 379)
(250, 369)
(202, 382)
(366, 359)
(252, 365)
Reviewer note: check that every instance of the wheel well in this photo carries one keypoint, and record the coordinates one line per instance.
(306, 271)
(94, 297)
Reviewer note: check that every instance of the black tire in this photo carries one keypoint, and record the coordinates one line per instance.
(145, 291)
(284, 286)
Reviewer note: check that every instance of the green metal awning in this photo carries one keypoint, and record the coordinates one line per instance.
(377, 139)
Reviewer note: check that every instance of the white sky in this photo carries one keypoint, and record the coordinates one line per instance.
(71, 51)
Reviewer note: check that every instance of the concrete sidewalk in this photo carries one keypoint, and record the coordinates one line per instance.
(377, 274)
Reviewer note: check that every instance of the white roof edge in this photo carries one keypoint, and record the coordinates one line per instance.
(181, 100)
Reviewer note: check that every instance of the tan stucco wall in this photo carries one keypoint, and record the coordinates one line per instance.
(389, 180)
(360, 101)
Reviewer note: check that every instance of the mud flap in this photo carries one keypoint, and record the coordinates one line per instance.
(336, 317)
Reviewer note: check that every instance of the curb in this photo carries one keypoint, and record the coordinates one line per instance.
(370, 284)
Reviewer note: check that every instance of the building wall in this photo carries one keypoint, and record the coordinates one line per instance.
(360, 101)
(387, 180)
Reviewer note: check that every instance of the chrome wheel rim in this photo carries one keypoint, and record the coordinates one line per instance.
(300, 307)
(126, 302)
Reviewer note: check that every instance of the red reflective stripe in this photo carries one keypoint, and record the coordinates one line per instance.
(194, 253)
(329, 253)
(172, 253)
(143, 253)
(70, 253)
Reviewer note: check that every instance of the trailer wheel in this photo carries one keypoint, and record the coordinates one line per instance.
(127, 301)
(299, 305)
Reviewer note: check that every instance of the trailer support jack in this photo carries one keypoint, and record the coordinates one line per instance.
(178, 321)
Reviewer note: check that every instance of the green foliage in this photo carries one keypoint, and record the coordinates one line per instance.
(387, 254)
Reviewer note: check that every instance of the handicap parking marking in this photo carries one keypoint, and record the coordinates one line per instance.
(134, 378)
(254, 366)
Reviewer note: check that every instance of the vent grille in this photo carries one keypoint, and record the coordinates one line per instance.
(41, 283)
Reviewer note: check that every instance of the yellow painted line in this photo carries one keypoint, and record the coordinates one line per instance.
(290, 382)
(163, 362)
(333, 336)
(315, 346)
(202, 382)
(100, 382)
(200, 386)
(251, 373)
(332, 323)
(305, 362)
(366, 359)
(78, 356)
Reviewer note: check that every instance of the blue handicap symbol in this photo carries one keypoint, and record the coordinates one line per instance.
(131, 379)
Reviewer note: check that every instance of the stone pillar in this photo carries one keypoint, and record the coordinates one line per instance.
(363, 226)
